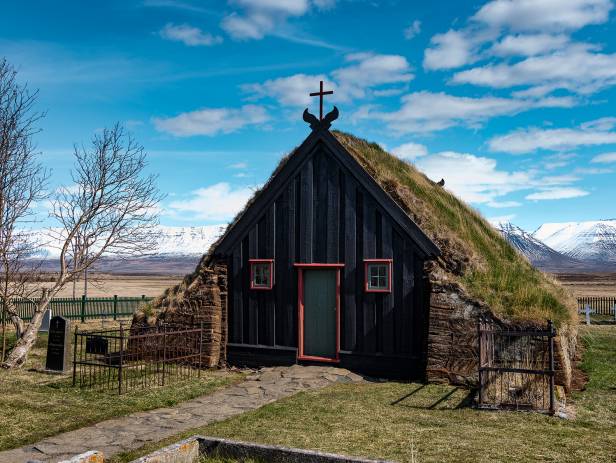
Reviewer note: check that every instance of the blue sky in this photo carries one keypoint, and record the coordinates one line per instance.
(511, 102)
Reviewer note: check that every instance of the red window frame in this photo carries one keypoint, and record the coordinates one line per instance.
(389, 263)
(251, 263)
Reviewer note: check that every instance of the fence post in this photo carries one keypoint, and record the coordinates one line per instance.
(479, 361)
(83, 308)
(587, 314)
(164, 351)
(614, 309)
(115, 306)
(121, 358)
(552, 371)
(75, 358)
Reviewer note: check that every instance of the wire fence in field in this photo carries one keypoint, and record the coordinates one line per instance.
(84, 308)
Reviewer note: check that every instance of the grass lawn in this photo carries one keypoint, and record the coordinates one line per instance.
(35, 405)
(409, 422)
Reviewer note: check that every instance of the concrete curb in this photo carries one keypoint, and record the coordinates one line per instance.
(189, 451)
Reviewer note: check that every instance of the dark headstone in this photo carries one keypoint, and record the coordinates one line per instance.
(58, 345)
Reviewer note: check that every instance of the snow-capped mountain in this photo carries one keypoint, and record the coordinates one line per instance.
(171, 241)
(589, 241)
(537, 252)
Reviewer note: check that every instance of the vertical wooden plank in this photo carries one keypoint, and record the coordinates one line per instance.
(359, 269)
(398, 290)
(350, 270)
(245, 277)
(291, 292)
(281, 268)
(320, 215)
(333, 216)
(305, 222)
(369, 333)
(236, 310)
(253, 301)
(408, 297)
(388, 323)
(418, 319)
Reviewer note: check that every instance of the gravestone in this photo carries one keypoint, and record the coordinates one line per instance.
(59, 345)
(45, 323)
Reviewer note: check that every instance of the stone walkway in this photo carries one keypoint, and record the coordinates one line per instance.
(133, 431)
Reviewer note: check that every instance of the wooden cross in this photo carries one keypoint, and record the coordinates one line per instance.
(320, 94)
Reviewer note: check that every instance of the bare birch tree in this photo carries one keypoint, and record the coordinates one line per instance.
(110, 209)
(22, 185)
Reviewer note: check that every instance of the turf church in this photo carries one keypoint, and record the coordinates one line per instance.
(324, 267)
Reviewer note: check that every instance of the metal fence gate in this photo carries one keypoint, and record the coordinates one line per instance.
(516, 367)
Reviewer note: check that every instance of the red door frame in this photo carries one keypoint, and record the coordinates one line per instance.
(300, 311)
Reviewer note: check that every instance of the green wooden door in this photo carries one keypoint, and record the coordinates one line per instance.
(320, 313)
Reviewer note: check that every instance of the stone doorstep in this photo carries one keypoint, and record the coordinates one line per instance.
(189, 450)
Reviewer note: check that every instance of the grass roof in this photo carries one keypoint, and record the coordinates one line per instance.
(474, 254)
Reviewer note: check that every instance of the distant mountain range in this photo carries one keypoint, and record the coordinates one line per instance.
(565, 247)
(570, 246)
(177, 251)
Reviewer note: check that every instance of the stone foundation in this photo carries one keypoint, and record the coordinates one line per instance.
(200, 300)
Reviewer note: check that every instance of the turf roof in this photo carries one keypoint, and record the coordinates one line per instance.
(474, 254)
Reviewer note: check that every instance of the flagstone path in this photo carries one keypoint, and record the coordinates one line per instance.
(133, 431)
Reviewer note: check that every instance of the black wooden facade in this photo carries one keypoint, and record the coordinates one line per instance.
(322, 207)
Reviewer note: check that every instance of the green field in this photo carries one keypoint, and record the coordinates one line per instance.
(409, 422)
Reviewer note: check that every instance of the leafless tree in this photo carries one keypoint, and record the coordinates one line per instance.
(111, 208)
(22, 185)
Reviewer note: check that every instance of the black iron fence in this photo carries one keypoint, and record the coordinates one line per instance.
(124, 359)
(516, 367)
(84, 308)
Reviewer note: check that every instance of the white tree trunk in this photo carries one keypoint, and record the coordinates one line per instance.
(19, 354)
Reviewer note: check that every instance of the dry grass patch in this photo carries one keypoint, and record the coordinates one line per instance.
(35, 405)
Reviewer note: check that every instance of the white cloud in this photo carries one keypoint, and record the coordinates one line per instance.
(188, 35)
(413, 30)
(500, 219)
(604, 158)
(528, 140)
(289, 91)
(410, 151)
(370, 70)
(504, 204)
(219, 202)
(541, 15)
(557, 193)
(474, 179)
(575, 68)
(449, 50)
(259, 18)
(238, 165)
(211, 121)
(529, 44)
(365, 73)
(427, 111)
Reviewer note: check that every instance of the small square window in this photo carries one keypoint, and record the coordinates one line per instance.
(378, 275)
(261, 273)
